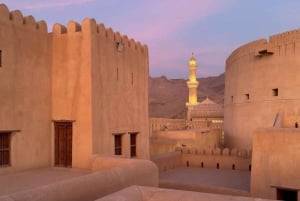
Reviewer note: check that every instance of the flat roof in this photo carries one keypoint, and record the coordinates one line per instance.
(20, 181)
(192, 177)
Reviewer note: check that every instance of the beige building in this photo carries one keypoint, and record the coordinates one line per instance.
(262, 112)
(78, 91)
(202, 129)
(262, 87)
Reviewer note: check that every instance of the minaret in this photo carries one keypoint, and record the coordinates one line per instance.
(192, 84)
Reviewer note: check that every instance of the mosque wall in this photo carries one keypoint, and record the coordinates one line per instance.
(261, 85)
(25, 87)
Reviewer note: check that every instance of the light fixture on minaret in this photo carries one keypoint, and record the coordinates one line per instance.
(192, 85)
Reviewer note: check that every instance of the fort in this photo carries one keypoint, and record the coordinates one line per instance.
(74, 115)
(261, 87)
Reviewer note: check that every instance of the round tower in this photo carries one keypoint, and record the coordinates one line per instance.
(192, 85)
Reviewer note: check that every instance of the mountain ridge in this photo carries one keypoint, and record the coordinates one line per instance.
(167, 97)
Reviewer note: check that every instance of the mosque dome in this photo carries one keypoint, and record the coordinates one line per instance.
(192, 61)
(207, 109)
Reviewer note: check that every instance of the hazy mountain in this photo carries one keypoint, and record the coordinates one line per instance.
(167, 97)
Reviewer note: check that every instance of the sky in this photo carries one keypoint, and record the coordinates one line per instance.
(174, 29)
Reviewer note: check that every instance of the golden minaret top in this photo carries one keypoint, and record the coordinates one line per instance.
(192, 85)
(193, 62)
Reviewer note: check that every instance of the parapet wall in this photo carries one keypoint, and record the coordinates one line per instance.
(16, 17)
(274, 42)
(234, 159)
(95, 185)
(99, 30)
(226, 158)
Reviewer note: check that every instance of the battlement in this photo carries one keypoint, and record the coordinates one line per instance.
(233, 159)
(285, 38)
(243, 153)
(90, 25)
(245, 49)
(16, 17)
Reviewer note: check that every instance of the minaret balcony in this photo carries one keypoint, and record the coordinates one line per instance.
(192, 83)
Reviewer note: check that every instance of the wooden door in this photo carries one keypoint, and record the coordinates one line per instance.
(63, 144)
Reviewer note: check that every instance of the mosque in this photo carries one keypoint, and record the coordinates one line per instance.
(74, 119)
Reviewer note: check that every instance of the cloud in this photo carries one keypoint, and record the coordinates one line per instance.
(159, 19)
(32, 5)
(164, 25)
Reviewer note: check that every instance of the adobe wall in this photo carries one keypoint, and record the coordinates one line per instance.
(252, 72)
(275, 161)
(168, 161)
(71, 85)
(233, 159)
(167, 141)
(102, 89)
(25, 85)
(76, 73)
(120, 91)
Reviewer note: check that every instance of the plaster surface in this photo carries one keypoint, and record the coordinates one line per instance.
(254, 72)
(77, 73)
(137, 193)
(185, 178)
(81, 185)
(276, 161)
(13, 182)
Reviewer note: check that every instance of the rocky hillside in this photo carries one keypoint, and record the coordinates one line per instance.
(167, 97)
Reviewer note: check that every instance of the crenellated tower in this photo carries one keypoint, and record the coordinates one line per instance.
(192, 85)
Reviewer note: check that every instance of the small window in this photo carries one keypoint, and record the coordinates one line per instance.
(118, 144)
(133, 144)
(117, 74)
(275, 92)
(287, 194)
(247, 96)
(0, 58)
(231, 98)
(4, 149)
